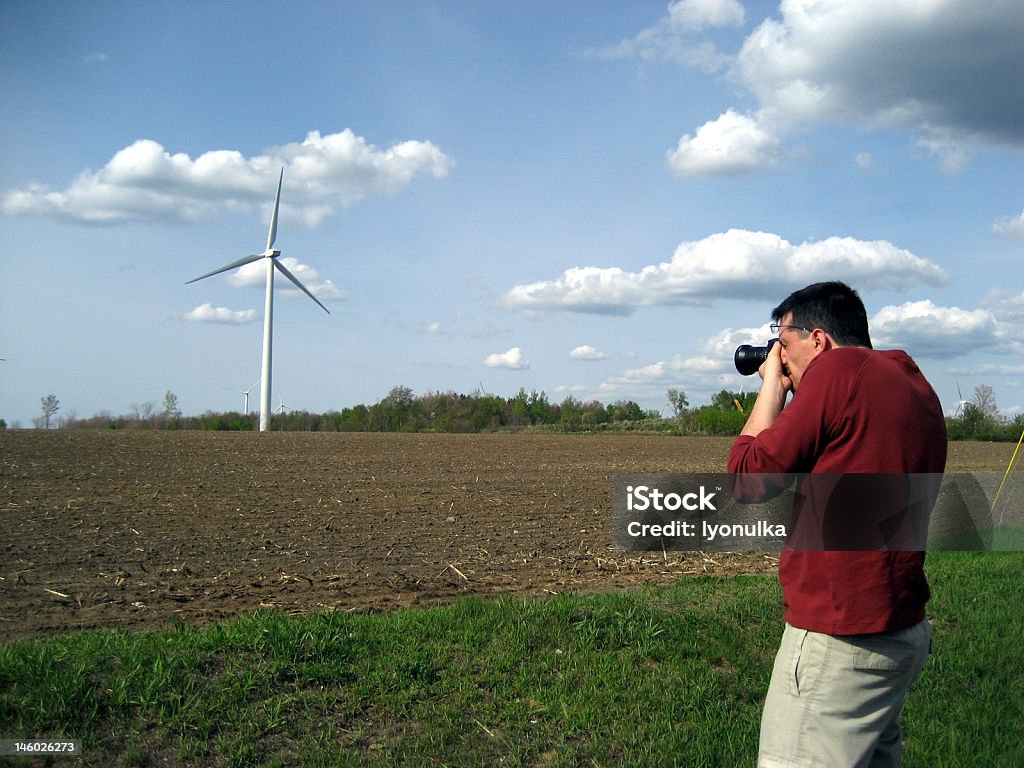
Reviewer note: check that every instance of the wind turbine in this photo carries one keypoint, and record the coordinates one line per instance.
(270, 254)
(245, 395)
(961, 402)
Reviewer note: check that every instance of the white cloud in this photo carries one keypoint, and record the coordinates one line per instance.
(96, 58)
(709, 371)
(950, 71)
(207, 313)
(1006, 304)
(993, 369)
(1010, 226)
(730, 145)
(698, 376)
(737, 264)
(670, 370)
(512, 359)
(722, 345)
(462, 325)
(586, 352)
(145, 182)
(1007, 307)
(863, 160)
(570, 389)
(927, 330)
(953, 154)
(921, 328)
(672, 37)
(699, 14)
(254, 275)
(655, 372)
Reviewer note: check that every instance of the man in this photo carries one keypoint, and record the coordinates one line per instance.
(856, 636)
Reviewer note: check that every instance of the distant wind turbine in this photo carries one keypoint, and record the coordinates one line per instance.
(270, 254)
(961, 402)
(245, 395)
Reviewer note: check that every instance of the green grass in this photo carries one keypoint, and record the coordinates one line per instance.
(1000, 538)
(662, 676)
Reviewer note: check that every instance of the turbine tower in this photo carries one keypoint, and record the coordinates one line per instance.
(245, 396)
(270, 254)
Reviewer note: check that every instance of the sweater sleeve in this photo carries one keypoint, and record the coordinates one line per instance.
(801, 432)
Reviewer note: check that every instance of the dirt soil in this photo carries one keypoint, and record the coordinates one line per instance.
(142, 529)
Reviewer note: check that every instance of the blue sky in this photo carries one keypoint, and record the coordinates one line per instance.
(591, 199)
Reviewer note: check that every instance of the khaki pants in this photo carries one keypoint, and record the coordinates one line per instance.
(835, 701)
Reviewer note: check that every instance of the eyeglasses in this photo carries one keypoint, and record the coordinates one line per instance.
(776, 328)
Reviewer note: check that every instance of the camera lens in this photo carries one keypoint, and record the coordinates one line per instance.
(748, 358)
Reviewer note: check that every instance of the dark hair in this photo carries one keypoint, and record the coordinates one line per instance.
(834, 307)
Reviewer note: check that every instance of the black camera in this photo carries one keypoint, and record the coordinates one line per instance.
(749, 358)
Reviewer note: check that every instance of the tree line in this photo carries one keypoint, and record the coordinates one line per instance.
(401, 410)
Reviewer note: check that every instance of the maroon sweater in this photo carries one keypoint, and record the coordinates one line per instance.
(856, 411)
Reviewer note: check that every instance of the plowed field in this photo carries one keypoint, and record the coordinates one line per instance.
(140, 529)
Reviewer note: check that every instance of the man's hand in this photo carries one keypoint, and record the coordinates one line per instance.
(772, 370)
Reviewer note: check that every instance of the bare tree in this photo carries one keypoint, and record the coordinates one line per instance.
(144, 410)
(50, 405)
(985, 401)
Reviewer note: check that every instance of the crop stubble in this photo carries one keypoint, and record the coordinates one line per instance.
(139, 529)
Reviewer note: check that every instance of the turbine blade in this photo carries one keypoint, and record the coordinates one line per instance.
(273, 220)
(301, 287)
(240, 263)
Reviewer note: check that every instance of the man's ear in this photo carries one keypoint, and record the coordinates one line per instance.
(822, 341)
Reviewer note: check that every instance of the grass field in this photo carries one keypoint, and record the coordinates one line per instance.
(667, 675)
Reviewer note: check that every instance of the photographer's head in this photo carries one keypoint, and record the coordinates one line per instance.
(833, 307)
(818, 318)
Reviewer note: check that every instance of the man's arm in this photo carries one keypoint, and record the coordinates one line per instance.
(749, 488)
(775, 386)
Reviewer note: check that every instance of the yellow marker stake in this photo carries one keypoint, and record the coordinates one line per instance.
(995, 502)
